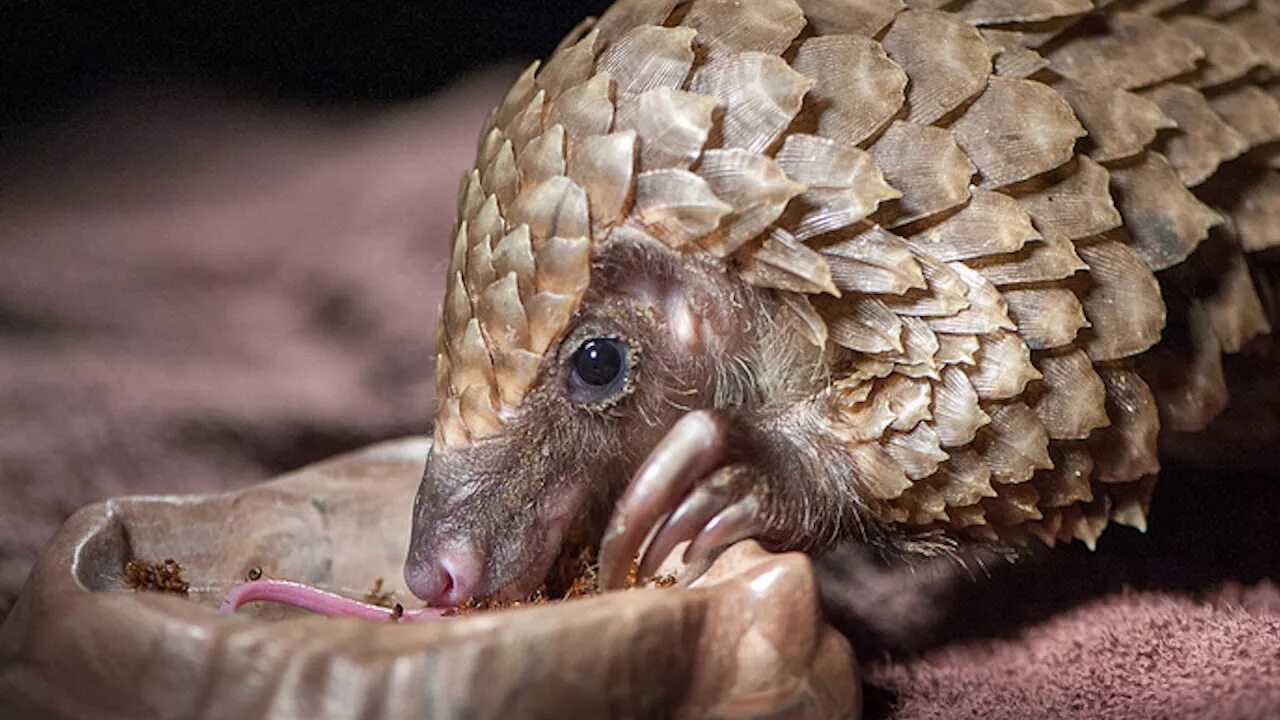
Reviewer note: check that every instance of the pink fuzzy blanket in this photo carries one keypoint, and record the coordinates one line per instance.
(199, 293)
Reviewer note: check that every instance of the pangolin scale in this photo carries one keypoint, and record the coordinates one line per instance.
(1026, 231)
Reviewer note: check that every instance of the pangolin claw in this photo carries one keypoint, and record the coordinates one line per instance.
(689, 490)
(738, 521)
(694, 446)
(722, 509)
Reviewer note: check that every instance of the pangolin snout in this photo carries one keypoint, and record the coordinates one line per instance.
(445, 576)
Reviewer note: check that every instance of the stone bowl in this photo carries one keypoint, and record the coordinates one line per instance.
(745, 639)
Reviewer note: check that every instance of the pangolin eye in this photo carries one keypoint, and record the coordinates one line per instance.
(598, 361)
(598, 369)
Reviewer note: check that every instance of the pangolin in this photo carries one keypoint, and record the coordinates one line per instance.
(912, 273)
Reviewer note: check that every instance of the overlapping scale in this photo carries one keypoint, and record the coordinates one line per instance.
(1046, 316)
(842, 184)
(1079, 204)
(1015, 444)
(1134, 51)
(649, 57)
(945, 292)
(1227, 55)
(991, 224)
(1126, 450)
(1054, 258)
(946, 59)
(677, 206)
(1123, 305)
(760, 95)
(850, 17)
(987, 311)
(672, 126)
(1008, 147)
(623, 15)
(925, 164)
(543, 157)
(782, 262)
(1003, 366)
(584, 109)
(1120, 123)
(727, 27)
(864, 324)
(1001, 12)
(569, 66)
(604, 166)
(857, 88)
(1073, 403)
(873, 261)
(1015, 60)
(1249, 111)
(1203, 141)
(754, 186)
(1068, 482)
(1165, 220)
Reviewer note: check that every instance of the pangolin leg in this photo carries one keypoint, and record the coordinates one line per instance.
(695, 445)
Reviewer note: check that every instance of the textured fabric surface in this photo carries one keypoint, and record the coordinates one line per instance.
(1125, 656)
(1148, 626)
(198, 294)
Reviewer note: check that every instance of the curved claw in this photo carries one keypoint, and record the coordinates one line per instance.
(694, 446)
(739, 521)
(685, 523)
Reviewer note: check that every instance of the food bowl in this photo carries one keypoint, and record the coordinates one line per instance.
(746, 638)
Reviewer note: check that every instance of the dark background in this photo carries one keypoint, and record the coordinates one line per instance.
(55, 55)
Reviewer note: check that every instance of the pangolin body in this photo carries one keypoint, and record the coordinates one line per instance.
(1022, 234)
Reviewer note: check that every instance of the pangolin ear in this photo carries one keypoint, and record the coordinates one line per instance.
(686, 327)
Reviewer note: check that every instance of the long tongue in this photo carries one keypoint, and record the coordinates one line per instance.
(319, 601)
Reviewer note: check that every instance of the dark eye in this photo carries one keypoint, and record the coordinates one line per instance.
(598, 369)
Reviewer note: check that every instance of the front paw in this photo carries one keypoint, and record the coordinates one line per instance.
(694, 485)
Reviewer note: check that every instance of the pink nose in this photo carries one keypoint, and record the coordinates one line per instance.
(446, 579)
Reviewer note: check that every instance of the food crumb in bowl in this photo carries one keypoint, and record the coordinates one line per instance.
(144, 575)
(575, 575)
(377, 596)
(663, 581)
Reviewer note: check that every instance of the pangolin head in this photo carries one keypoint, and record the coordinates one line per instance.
(595, 287)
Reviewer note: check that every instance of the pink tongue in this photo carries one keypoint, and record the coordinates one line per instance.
(316, 600)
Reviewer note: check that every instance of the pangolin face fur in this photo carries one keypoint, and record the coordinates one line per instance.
(952, 271)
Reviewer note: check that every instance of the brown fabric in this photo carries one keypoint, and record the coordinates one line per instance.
(198, 293)
(1125, 656)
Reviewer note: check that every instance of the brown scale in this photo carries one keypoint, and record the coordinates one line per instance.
(1001, 207)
